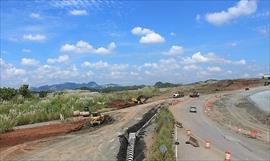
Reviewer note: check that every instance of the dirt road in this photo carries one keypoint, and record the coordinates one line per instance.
(222, 139)
(101, 144)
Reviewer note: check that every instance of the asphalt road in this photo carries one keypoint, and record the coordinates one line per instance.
(241, 148)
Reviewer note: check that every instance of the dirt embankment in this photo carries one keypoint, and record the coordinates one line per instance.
(30, 134)
(118, 104)
(236, 113)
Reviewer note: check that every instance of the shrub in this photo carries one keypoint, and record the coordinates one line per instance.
(6, 123)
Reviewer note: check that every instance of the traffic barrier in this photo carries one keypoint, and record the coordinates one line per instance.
(179, 124)
(192, 141)
(188, 132)
(207, 144)
(227, 156)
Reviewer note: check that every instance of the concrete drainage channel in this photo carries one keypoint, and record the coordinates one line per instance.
(131, 146)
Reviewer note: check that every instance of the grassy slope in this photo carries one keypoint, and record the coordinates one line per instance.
(21, 111)
(163, 137)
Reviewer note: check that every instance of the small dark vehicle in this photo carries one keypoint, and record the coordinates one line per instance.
(193, 109)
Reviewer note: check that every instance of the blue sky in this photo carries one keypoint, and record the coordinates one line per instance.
(132, 42)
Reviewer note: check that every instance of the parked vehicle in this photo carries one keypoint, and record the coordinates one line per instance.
(195, 94)
(178, 94)
(193, 109)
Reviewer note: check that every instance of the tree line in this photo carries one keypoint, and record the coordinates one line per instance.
(7, 93)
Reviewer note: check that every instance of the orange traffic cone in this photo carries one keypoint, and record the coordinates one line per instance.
(227, 156)
(253, 133)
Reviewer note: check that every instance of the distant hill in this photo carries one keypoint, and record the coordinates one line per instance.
(93, 86)
(70, 85)
(165, 85)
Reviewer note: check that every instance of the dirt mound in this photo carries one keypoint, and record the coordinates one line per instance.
(20, 136)
(235, 84)
(120, 104)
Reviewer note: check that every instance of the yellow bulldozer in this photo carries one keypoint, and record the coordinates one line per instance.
(96, 118)
(140, 100)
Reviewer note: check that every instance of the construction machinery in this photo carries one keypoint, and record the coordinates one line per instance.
(96, 118)
(195, 94)
(85, 112)
(140, 99)
(178, 94)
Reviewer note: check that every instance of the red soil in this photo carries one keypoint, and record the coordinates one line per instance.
(20, 136)
(120, 104)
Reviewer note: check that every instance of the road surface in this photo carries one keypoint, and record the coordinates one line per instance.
(241, 148)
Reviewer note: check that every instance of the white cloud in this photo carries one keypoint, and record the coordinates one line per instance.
(233, 44)
(26, 50)
(15, 72)
(35, 15)
(29, 62)
(98, 65)
(163, 65)
(78, 12)
(198, 57)
(60, 59)
(264, 30)
(147, 36)
(175, 50)
(37, 37)
(172, 33)
(84, 47)
(214, 69)
(191, 67)
(243, 8)
(9, 71)
(240, 62)
(105, 65)
(141, 31)
(198, 17)
(134, 74)
(209, 58)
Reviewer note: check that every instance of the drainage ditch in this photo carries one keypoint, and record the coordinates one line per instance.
(133, 150)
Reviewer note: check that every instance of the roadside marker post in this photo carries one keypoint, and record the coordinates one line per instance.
(207, 144)
(227, 156)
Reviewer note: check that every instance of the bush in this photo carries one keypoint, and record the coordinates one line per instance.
(6, 123)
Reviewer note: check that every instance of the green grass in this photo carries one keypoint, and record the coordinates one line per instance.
(165, 126)
(22, 111)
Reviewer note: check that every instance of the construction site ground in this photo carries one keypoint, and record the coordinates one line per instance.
(71, 140)
(86, 144)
